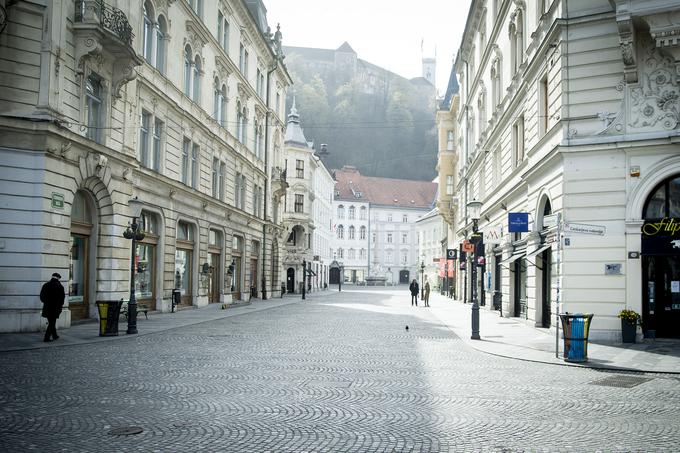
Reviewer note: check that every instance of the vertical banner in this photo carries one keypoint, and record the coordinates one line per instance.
(442, 264)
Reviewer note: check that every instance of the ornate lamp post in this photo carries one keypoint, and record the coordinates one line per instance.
(133, 232)
(474, 210)
(422, 279)
(304, 274)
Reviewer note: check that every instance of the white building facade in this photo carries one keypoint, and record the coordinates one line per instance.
(430, 232)
(165, 103)
(350, 240)
(568, 113)
(323, 234)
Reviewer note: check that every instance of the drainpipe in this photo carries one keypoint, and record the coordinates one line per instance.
(266, 186)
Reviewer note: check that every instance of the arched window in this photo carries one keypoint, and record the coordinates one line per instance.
(341, 253)
(517, 40)
(341, 232)
(147, 33)
(362, 233)
(350, 213)
(362, 213)
(217, 101)
(260, 150)
(187, 71)
(197, 79)
(239, 120)
(341, 212)
(664, 200)
(496, 82)
(244, 129)
(256, 138)
(161, 32)
(351, 232)
(481, 106)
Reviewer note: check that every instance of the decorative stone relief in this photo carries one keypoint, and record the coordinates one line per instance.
(627, 43)
(656, 100)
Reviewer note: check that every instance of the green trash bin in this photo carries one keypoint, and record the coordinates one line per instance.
(109, 312)
(575, 329)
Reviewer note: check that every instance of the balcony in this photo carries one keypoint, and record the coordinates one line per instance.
(103, 35)
(279, 184)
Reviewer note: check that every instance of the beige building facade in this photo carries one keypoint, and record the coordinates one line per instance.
(178, 104)
(568, 114)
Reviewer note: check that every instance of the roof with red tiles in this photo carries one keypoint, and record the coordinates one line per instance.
(352, 185)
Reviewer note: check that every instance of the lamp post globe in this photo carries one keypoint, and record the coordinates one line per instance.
(474, 209)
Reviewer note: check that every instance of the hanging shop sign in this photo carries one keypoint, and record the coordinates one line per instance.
(442, 268)
(451, 254)
(518, 222)
(468, 247)
(493, 234)
(661, 237)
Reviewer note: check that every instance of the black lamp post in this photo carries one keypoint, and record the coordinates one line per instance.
(304, 273)
(135, 233)
(474, 210)
(230, 272)
(422, 279)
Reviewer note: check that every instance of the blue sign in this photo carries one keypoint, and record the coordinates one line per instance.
(518, 222)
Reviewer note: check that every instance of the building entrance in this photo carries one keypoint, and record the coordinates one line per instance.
(404, 277)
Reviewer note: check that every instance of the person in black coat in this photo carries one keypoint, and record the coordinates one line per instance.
(414, 292)
(52, 296)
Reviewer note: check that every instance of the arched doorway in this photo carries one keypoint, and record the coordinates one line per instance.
(404, 277)
(545, 268)
(334, 276)
(290, 280)
(81, 256)
(661, 260)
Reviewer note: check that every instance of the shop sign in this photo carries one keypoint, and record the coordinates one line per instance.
(468, 247)
(493, 234)
(661, 237)
(518, 222)
(550, 220)
(451, 254)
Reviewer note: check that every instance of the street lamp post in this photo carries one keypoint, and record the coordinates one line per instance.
(422, 280)
(304, 273)
(135, 233)
(474, 211)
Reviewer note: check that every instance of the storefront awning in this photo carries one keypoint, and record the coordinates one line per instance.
(541, 249)
(513, 258)
(311, 272)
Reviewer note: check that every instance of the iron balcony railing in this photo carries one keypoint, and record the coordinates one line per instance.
(109, 17)
(279, 174)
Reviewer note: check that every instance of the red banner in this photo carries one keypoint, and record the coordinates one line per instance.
(442, 271)
(452, 271)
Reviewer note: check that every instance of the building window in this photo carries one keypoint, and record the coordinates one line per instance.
(144, 137)
(197, 7)
(404, 218)
(222, 180)
(449, 140)
(243, 60)
(517, 41)
(404, 257)
(518, 140)
(362, 213)
(220, 103)
(350, 213)
(362, 233)
(449, 185)
(240, 191)
(543, 105)
(373, 237)
(362, 254)
(216, 178)
(147, 34)
(496, 82)
(350, 232)
(257, 201)
(188, 63)
(161, 32)
(299, 202)
(341, 253)
(223, 31)
(388, 256)
(299, 168)
(341, 232)
(93, 107)
(404, 238)
(190, 153)
(389, 217)
(341, 212)
(389, 238)
(351, 254)
(197, 80)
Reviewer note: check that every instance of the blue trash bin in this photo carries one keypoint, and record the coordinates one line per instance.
(575, 328)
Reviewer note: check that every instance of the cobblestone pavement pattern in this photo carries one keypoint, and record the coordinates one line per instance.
(333, 374)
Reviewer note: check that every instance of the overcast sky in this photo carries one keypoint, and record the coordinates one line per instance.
(387, 33)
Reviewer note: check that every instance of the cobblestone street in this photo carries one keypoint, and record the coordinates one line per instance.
(336, 373)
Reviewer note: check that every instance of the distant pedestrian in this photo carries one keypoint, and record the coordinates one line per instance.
(52, 296)
(426, 299)
(414, 292)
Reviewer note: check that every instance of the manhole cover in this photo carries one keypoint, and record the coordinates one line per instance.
(624, 381)
(126, 431)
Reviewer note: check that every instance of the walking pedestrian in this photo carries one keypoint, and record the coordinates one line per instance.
(414, 292)
(426, 299)
(52, 296)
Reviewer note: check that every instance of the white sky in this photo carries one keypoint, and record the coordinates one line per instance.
(387, 33)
